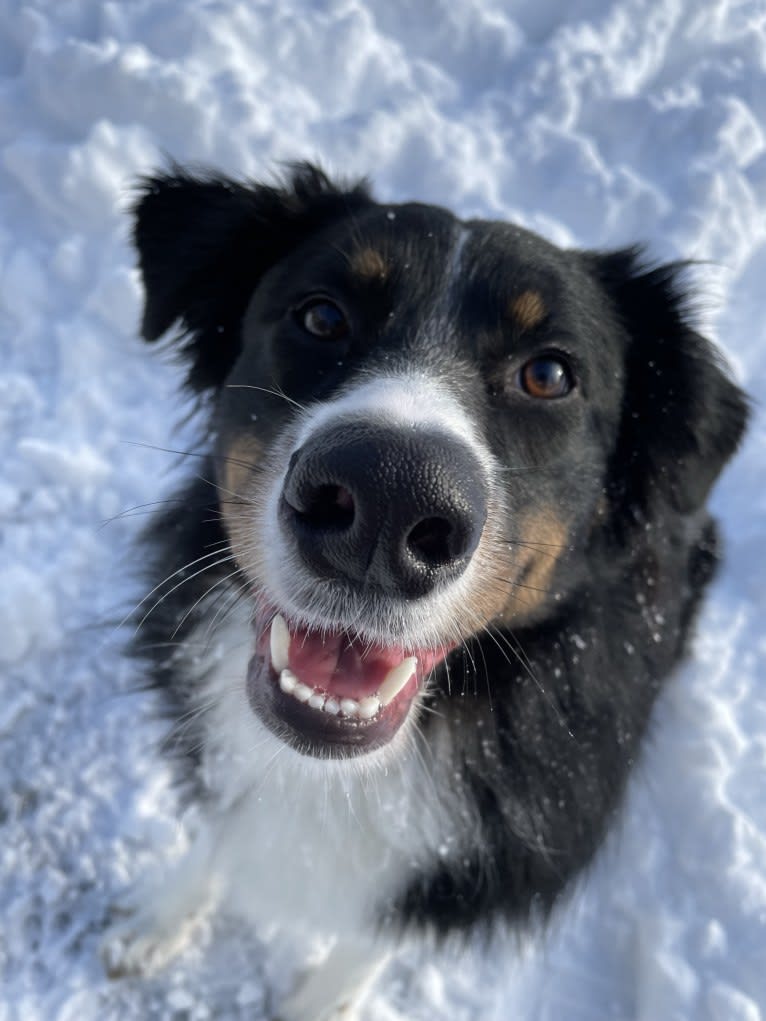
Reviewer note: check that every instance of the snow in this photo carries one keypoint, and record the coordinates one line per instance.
(596, 122)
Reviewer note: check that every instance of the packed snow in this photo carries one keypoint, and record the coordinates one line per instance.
(595, 122)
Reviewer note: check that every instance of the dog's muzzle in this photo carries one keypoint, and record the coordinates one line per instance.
(387, 515)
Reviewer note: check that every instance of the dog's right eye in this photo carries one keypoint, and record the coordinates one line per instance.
(323, 319)
(547, 377)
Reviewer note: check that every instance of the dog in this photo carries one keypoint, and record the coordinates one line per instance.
(442, 547)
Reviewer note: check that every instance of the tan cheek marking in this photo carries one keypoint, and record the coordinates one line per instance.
(541, 541)
(369, 264)
(528, 309)
(235, 476)
(547, 537)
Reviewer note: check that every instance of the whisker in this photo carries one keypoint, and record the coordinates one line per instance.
(184, 567)
(187, 719)
(139, 510)
(184, 581)
(521, 584)
(204, 455)
(275, 392)
(221, 581)
(525, 662)
(539, 547)
(166, 450)
(237, 595)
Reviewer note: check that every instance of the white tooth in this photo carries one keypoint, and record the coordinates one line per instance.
(368, 707)
(396, 678)
(302, 692)
(349, 706)
(316, 701)
(332, 706)
(287, 681)
(279, 641)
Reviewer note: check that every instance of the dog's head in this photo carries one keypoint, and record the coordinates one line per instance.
(421, 425)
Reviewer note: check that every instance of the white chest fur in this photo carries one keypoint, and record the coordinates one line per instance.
(298, 841)
(312, 847)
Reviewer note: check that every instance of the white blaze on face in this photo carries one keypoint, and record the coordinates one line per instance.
(411, 399)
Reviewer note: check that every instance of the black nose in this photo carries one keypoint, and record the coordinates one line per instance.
(383, 507)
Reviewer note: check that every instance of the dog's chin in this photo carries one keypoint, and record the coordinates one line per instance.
(329, 695)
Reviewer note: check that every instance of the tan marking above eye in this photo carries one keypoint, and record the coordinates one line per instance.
(369, 264)
(528, 309)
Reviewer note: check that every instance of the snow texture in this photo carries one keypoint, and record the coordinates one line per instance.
(595, 122)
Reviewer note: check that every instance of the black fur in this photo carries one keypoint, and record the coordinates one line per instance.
(558, 701)
(185, 223)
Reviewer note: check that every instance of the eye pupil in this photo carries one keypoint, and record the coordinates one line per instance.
(323, 319)
(546, 377)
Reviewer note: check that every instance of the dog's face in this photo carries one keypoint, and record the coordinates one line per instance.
(421, 427)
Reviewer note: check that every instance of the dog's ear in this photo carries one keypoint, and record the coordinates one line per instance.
(683, 417)
(204, 240)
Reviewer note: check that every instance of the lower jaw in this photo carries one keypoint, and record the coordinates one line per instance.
(313, 732)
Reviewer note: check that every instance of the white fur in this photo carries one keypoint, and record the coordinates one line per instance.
(412, 399)
(334, 990)
(319, 846)
(336, 837)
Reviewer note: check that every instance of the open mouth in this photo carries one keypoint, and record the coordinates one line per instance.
(329, 694)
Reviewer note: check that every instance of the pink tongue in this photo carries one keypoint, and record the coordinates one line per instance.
(333, 664)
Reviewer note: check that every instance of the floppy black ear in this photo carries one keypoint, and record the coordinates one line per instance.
(683, 417)
(204, 240)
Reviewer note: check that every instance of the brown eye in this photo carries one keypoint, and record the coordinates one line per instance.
(547, 377)
(323, 319)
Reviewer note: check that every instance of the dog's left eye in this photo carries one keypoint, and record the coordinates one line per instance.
(547, 377)
(323, 319)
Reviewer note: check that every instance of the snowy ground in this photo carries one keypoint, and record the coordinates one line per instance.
(594, 122)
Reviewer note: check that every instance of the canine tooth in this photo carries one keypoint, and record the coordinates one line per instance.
(332, 706)
(395, 679)
(287, 681)
(316, 701)
(349, 706)
(279, 642)
(302, 692)
(369, 706)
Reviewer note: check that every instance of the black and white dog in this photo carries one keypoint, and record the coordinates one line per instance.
(411, 614)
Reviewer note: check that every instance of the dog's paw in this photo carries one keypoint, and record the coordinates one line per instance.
(155, 925)
(141, 942)
(160, 916)
(300, 1007)
(336, 989)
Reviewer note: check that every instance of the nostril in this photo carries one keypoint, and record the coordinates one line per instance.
(328, 506)
(431, 540)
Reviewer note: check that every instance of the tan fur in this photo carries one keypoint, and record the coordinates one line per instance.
(541, 540)
(528, 309)
(369, 264)
(235, 479)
